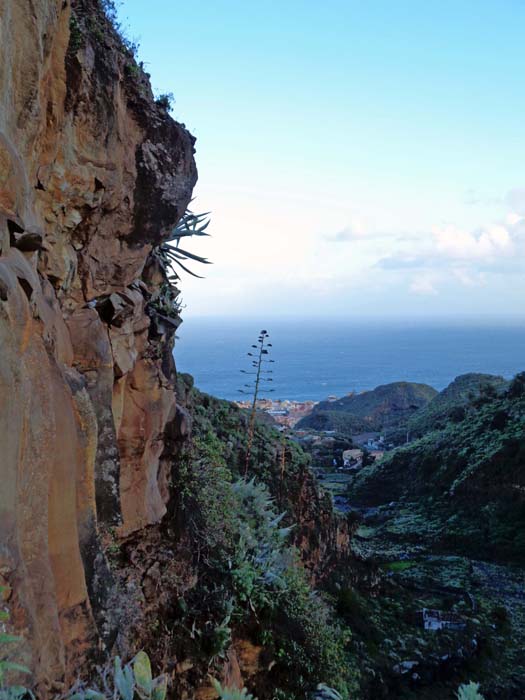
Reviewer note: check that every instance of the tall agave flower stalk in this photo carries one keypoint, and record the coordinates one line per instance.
(257, 385)
(282, 461)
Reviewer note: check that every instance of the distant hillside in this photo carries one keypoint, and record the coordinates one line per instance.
(387, 406)
(450, 403)
(469, 476)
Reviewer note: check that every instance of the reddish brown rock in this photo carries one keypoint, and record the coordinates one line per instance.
(148, 402)
(92, 175)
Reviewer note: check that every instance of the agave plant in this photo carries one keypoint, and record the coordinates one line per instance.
(231, 693)
(257, 385)
(469, 691)
(323, 692)
(170, 252)
(134, 681)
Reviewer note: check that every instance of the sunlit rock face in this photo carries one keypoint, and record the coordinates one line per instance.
(93, 174)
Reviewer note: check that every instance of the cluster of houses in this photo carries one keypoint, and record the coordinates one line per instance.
(369, 444)
(352, 459)
(286, 413)
(373, 446)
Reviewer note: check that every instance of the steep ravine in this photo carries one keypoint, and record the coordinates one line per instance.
(97, 555)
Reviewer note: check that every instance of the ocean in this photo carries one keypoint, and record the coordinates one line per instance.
(317, 358)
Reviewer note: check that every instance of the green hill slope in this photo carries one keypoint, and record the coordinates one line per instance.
(450, 403)
(469, 476)
(386, 406)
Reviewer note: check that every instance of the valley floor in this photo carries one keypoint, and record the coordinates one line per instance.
(479, 606)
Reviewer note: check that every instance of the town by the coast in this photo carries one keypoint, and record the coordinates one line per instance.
(336, 454)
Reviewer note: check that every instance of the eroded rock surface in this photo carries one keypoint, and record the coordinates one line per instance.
(93, 174)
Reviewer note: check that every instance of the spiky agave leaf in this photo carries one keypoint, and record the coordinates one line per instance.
(180, 254)
(170, 253)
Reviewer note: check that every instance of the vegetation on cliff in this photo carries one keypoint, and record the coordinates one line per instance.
(253, 558)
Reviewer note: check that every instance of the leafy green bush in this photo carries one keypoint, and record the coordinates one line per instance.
(353, 610)
(308, 643)
(110, 8)
(166, 101)
(241, 546)
(75, 35)
(236, 525)
(517, 386)
(260, 558)
(250, 577)
(207, 501)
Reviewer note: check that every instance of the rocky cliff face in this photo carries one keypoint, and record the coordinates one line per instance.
(93, 175)
(97, 555)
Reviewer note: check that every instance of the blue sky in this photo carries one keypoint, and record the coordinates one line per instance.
(358, 158)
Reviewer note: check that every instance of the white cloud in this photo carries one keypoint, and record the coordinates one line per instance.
(512, 219)
(493, 241)
(469, 278)
(295, 258)
(355, 231)
(425, 284)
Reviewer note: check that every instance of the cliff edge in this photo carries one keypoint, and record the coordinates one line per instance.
(93, 175)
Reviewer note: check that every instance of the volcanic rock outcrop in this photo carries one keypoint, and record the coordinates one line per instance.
(93, 175)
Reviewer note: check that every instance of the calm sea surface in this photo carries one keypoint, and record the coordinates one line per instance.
(314, 359)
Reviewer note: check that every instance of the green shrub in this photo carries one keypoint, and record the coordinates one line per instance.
(204, 484)
(76, 39)
(165, 101)
(399, 566)
(308, 643)
(236, 525)
(260, 557)
(517, 386)
(250, 577)
(110, 8)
